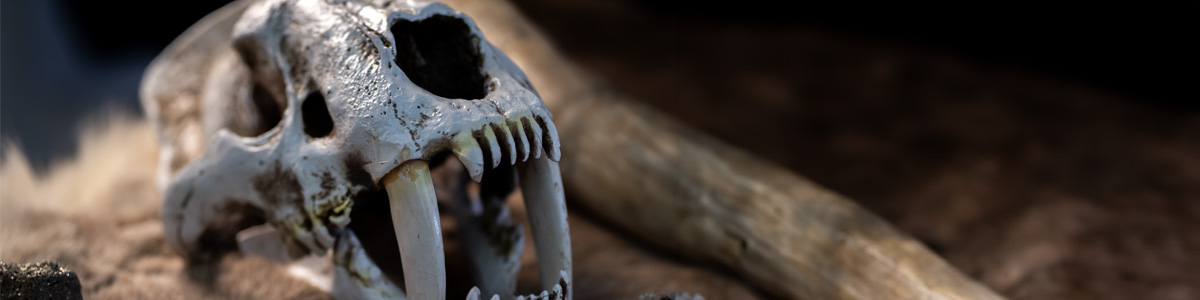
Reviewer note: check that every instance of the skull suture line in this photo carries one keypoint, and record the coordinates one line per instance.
(353, 101)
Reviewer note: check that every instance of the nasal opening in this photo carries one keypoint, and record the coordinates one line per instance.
(441, 55)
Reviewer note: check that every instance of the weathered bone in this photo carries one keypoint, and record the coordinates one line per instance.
(290, 111)
(496, 263)
(415, 216)
(355, 276)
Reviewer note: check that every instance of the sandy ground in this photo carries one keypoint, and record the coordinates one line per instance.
(97, 214)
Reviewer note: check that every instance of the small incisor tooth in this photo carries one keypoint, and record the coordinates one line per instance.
(502, 130)
(534, 132)
(522, 142)
(470, 154)
(493, 145)
(418, 229)
(551, 143)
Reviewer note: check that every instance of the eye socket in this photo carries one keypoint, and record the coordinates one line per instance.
(261, 103)
(269, 112)
(441, 55)
(315, 114)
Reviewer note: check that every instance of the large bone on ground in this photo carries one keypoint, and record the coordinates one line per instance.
(716, 203)
(683, 190)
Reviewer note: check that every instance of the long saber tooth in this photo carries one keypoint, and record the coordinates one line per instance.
(418, 229)
(541, 184)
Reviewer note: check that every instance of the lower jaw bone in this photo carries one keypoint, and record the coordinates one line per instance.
(493, 242)
(355, 276)
(418, 229)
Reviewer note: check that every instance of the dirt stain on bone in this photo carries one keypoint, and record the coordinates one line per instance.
(355, 172)
(219, 235)
(278, 186)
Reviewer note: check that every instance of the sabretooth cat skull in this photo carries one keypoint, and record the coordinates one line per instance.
(320, 110)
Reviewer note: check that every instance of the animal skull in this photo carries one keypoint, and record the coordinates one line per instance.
(323, 109)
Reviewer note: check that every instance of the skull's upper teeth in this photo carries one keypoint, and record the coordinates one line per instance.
(489, 138)
(535, 136)
(505, 133)
(515, 131)
(515, 140)
(466, 148)
(551, 142)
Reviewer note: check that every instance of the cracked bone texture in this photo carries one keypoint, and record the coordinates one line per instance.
(315, 102)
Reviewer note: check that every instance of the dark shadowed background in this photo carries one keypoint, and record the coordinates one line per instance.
(1049, 149)
(65, 59)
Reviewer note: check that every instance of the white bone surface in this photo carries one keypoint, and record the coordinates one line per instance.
(224, 163)
(541, 185)
(415, 217)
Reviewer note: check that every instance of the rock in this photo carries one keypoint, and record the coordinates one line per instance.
(45, 280)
